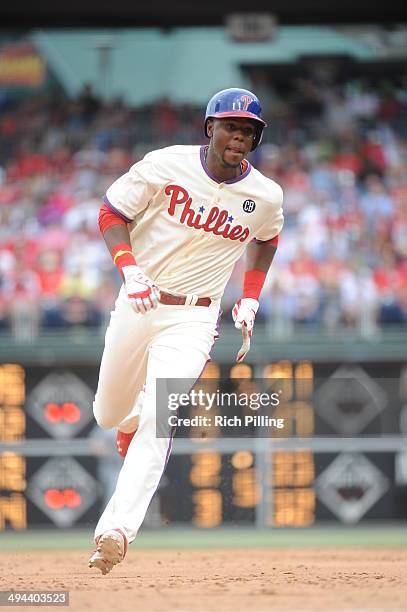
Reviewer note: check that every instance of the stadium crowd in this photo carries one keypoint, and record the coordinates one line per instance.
(340, 154)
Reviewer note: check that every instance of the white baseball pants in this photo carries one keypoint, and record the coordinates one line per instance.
(169, 342)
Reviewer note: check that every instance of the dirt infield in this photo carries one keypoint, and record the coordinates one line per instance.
(219, 580)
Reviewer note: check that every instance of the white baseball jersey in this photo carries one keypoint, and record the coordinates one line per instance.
(187, 228)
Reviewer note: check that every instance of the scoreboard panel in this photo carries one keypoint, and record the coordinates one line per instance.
(13, 506)
(49, 411)
(50, 408)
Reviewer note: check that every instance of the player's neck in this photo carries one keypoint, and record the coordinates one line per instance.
(218, 169)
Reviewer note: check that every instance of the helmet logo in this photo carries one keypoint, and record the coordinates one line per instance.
(246, 100)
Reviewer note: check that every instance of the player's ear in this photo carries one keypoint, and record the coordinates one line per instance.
(209, 127)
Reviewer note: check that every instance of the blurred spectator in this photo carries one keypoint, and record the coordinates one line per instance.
(74, 312)
(339, 151)
(88, 103)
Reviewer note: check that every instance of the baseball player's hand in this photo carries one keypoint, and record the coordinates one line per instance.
(141, 291)
(244, 313)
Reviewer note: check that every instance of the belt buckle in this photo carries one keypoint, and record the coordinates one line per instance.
(191, 299)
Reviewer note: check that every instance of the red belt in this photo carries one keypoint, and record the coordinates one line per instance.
(180, 300)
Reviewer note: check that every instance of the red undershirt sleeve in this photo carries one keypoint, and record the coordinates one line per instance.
(107, 218)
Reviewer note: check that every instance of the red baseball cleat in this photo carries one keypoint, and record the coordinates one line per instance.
(123, 442)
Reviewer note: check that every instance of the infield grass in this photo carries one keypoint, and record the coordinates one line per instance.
(231, 537)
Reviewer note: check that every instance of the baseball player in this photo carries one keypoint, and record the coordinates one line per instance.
(175, 224)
